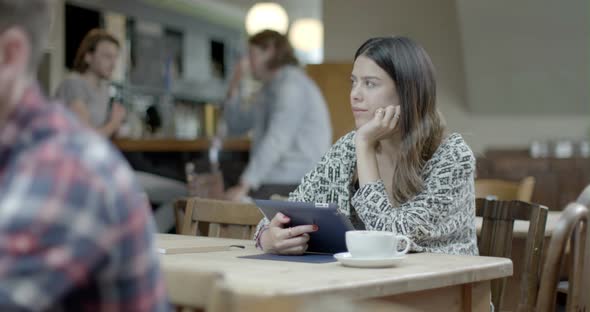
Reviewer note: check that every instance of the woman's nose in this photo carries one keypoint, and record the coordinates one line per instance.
(355, 94)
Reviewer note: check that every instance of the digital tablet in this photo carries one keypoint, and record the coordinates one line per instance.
(332, 226)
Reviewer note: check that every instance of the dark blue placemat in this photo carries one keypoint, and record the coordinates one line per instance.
(307, 258)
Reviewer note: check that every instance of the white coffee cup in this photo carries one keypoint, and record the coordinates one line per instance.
(375, 244)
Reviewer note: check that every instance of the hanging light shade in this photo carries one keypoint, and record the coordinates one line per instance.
(307, 34)
(266, 15)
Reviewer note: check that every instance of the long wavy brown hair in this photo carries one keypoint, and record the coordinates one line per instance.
(421, 126)
(89, 44)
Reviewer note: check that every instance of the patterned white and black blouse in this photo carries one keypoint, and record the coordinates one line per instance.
(440, 219)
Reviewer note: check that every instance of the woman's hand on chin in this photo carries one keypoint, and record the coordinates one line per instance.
(380, 126)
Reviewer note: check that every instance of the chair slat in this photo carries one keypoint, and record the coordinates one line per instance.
(217, 218)
(496, 241)
(570, 229)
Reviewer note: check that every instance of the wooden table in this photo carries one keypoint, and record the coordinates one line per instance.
(175, 244)
(521, 228)
(178, 145)
(424, 281)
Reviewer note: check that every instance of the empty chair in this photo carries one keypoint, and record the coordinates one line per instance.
(571, 229)
(563, 286)
(584, 197)
(505, 190)
(191, 292)
(495, 240)
(224, 299)
(216, 218)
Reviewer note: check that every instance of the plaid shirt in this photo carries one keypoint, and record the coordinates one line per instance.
(76, 232)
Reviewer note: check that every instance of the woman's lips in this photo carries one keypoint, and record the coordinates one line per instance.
(359, 111)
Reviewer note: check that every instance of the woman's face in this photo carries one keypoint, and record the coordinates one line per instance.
(372, 88)
(259, 59)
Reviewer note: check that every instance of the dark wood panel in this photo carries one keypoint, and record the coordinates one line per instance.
(558, 181)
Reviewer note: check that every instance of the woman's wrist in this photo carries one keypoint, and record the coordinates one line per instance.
(361, 142)
(366, 162)
(259, 237)
(364, 147)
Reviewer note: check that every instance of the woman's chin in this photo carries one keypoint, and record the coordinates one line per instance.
(358, 122)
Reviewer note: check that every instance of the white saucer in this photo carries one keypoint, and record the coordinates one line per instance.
(347, 260)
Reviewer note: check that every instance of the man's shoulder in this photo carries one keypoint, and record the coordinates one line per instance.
(55, 137)
(92, 152)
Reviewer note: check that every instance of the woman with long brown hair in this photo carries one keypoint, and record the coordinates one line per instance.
(400, 170)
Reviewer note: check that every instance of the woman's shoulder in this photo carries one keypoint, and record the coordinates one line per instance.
(346, 141)
(343, 151)
(454, 149)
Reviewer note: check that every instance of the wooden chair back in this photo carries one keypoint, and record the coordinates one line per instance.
(226, 300)
(584, 197)
(505, 190)
(570, 229)
(495, 240)
(191, 292)
(217, 218)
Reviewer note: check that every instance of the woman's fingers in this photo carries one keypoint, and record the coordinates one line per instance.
(293, 242)
(396, 116)
(388, 116)
(297, 250)
(279, 220)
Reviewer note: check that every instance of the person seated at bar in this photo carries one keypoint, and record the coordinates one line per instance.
(288, 116)
(86, 93)
(76, 232)
(86, 90)
(400, 170)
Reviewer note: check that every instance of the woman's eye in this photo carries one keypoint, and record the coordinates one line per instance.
(370, 84)
(352, 82)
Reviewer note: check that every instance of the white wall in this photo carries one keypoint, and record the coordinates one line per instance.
(526, 56)
(434, 24)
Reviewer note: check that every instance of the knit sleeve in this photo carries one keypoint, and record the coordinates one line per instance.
(435, 217)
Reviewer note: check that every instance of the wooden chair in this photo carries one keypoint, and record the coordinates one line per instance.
(216, 218)
(584, 197)
(571, 229)
(191, 292)
(496, 241)
(226, 300)
(563, 286)
(505, 190)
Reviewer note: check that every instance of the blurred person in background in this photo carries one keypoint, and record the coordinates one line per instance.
(86, 93)
(288, 116)
(76, 231)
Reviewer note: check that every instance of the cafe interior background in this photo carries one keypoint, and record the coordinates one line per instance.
(512, 77)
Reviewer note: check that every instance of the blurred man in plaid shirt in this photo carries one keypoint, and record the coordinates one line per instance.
(76, 233)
